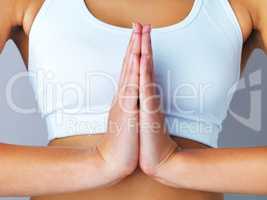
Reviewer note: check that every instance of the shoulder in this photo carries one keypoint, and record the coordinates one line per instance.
(17, 15)
(243, 17)
(6, 20)
(11, 16)
(30, 13)
(257, 10)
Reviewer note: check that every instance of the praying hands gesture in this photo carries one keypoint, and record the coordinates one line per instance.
(137, 119)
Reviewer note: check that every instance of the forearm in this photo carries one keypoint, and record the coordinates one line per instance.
(31, 171)
(228, 170)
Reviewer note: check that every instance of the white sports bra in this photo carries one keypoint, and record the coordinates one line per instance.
(75, 61)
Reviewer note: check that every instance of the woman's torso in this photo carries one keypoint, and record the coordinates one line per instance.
(138, 185)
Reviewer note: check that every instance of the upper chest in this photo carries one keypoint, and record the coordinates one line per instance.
(207, 41)
(122, 13)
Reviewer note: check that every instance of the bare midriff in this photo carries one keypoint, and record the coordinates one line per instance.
(137, 186)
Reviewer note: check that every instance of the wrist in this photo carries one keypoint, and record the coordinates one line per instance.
(163, 153)
(115, 167)
(177, 170)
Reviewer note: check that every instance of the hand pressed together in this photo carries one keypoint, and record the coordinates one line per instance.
(142, 136)
(119, 148)
(156, 146)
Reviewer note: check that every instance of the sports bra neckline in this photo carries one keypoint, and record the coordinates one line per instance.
(180, 24)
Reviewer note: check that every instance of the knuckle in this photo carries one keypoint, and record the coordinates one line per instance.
(133, 71)
(148, 73)
(146, 56)
(131, 93)
(128, 105)
(131, 89)
(135, 54)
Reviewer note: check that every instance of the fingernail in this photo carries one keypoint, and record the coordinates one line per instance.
(134, 25)
(147, 28)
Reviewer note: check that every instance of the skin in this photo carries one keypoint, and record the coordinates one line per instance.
(74, 169)
(150, 165)
(188, 168)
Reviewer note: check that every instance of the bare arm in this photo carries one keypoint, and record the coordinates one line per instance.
(236, 170)
(30, 171)
(229, 170)
(6, 22)
(40, 170)
(240, 170)
(34, 171)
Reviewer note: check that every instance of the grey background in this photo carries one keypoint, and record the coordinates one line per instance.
(29, 129)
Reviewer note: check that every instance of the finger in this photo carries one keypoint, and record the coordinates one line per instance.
(131, 76)
(149, 98)
(133, 61)
(124, 65)
(129, 90)
(146, 63)
(135, 32)
(126, 57)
